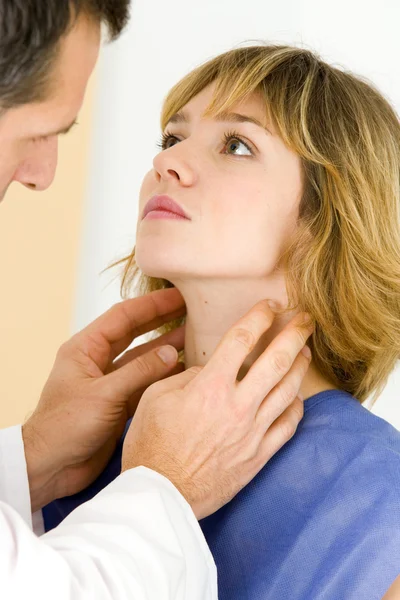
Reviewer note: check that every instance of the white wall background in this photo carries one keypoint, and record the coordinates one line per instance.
(164, 41)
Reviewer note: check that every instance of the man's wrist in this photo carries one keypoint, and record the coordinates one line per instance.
(40, 468)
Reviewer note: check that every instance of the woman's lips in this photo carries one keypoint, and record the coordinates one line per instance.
(163, 214)
(163, 207)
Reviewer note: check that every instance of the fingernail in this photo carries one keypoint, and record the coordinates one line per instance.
(306, 351)
(168, 355)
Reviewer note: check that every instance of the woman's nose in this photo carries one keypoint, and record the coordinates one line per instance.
(171, 164)
(37, 171)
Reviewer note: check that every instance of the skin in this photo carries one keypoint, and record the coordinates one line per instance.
(243, 205)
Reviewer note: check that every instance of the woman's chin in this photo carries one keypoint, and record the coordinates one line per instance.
(161, 263)
(154, 268)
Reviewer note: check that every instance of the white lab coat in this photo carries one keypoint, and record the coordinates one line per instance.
(137, 539)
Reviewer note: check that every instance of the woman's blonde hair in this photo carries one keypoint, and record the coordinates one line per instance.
(343, 263)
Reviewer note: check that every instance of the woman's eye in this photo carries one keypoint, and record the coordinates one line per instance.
(166, 140)
(237, 146)
(232, 144)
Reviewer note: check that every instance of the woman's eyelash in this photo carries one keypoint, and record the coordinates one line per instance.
(230, 135)
(165, 137)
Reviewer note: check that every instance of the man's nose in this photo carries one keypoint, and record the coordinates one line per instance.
(37, 171)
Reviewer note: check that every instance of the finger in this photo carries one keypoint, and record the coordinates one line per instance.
(239, 341)
(109, 335)
(175, 338)
(283, 394)
(280, 432)
(142, 371)
(276, 361)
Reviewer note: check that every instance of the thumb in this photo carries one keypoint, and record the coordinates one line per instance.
(142, 371)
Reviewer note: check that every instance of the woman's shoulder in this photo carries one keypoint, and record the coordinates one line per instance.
(339, 412)
(348, 441)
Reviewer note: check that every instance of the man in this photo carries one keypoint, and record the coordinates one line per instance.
(138, 538)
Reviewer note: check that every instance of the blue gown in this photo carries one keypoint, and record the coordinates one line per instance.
(321, 521)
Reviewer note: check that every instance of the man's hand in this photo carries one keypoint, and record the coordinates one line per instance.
(90, 395)
(210, 434)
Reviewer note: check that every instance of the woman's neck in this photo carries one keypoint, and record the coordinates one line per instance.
(214, 307)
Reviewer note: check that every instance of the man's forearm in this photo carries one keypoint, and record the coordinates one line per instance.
(41, 474)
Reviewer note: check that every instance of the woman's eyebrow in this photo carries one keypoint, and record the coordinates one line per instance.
(222, 117)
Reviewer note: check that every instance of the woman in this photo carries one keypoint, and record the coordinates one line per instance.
(282, 176)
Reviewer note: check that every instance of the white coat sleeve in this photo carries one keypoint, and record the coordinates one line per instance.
(14, 485)
(137, 539)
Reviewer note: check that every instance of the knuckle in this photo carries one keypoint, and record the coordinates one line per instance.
(300, 367)
(288, 393)
(245, 337)
(292, 419)
(302, 335)
(281, 362)
(298, 410)
(288, 428)
(96, 341)
(121, 308)
(143, 366)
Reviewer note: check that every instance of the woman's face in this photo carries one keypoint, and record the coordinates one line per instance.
(239, 186)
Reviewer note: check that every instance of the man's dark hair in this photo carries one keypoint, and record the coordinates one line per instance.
(30, 32)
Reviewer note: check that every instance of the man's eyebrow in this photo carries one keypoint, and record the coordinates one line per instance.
(62, 131)
(222, 117)
(66, 129)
